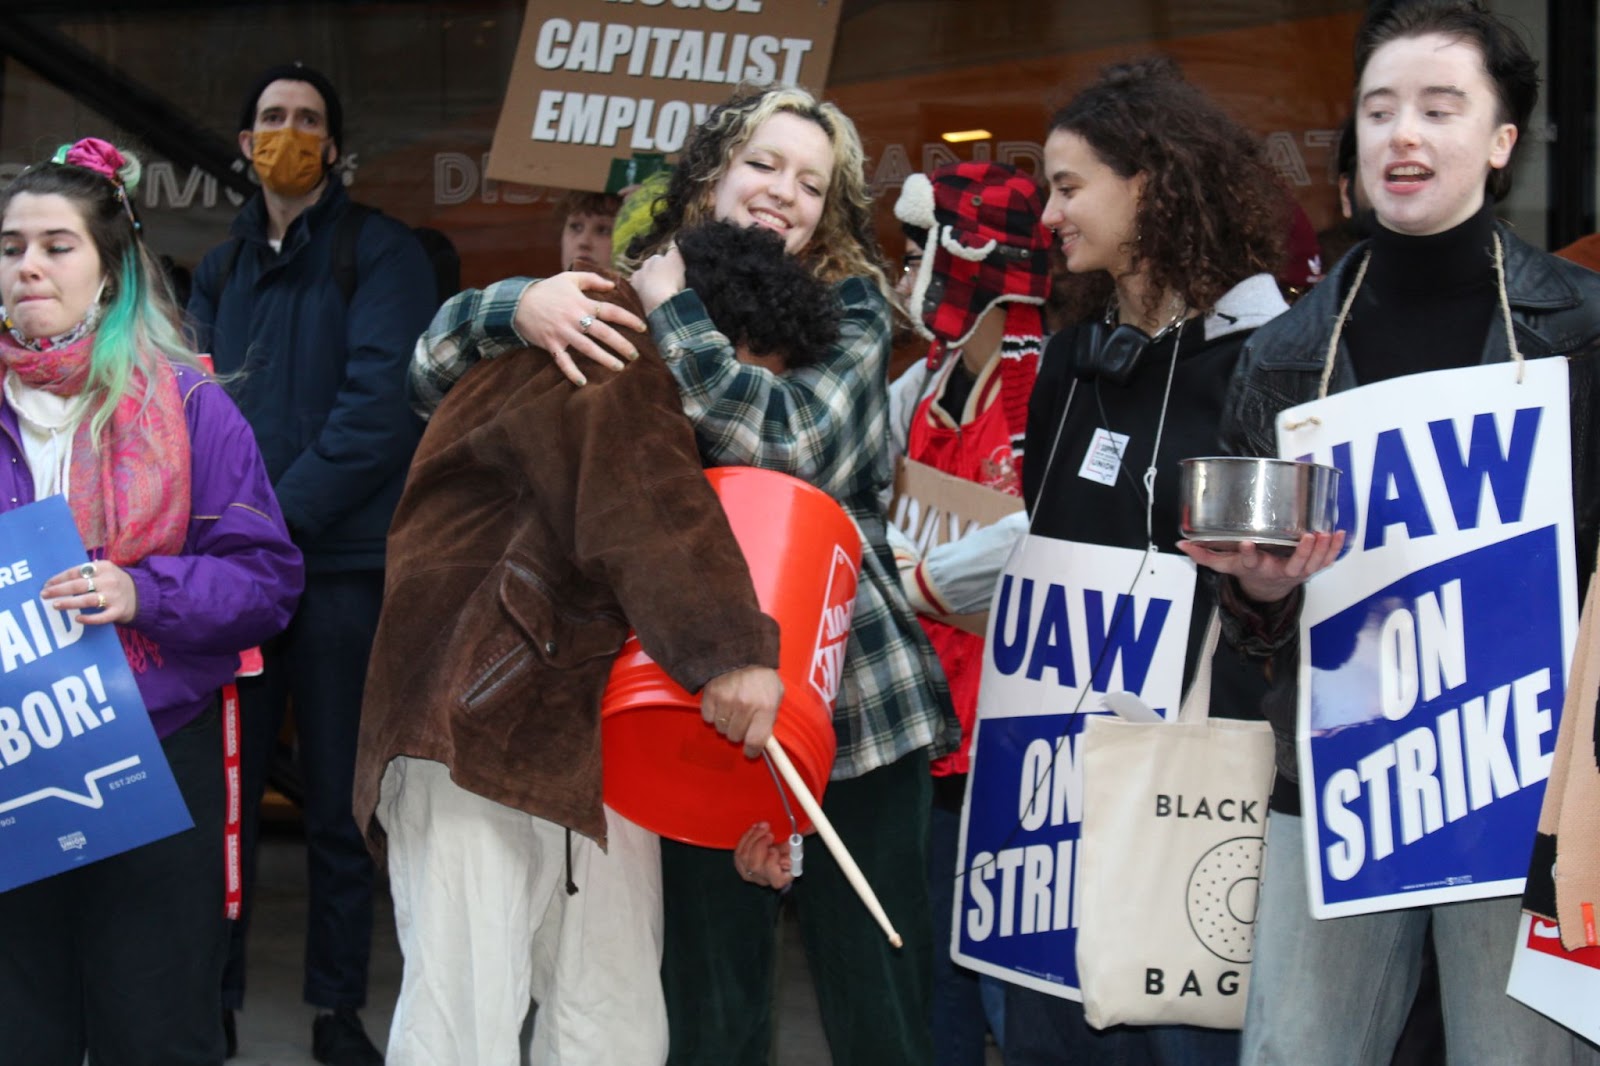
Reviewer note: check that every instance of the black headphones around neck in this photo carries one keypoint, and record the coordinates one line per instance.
(1113, 353)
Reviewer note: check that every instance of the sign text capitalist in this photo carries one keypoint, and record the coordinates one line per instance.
(594, 79)
(666, 52)
(1434, 654)
(660, 53)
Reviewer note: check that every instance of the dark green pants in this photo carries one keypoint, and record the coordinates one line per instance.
(718, 967)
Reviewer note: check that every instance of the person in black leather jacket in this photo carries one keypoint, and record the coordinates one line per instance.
(1443, 90)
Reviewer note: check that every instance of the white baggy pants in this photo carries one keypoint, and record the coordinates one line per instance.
(486, 925)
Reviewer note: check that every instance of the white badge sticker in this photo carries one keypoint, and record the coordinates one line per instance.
(1104, 457)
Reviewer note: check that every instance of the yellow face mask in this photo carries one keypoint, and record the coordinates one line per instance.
(288, 161)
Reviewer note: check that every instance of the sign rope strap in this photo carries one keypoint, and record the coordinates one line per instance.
(1331, 357)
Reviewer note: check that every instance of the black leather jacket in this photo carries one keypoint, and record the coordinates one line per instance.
(1555, 306)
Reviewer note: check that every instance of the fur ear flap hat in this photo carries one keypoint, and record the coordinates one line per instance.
(983, 243)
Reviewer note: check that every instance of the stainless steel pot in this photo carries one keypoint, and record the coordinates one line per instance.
(1270, 502)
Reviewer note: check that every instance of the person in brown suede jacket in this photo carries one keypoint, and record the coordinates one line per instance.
(540, 521)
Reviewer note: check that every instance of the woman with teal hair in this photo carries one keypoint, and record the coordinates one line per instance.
(188, 558)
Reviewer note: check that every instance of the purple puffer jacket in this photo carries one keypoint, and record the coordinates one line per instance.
(239, 576)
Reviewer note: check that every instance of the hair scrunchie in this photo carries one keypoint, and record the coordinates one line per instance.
(92, 153)
(105, 159)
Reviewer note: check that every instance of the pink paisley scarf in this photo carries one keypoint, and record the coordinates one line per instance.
(130, 497)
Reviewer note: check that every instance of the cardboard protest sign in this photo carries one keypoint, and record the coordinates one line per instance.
(934, 508)
(1434, 654)
(597, 80)
(1069, 623)
(82, 775)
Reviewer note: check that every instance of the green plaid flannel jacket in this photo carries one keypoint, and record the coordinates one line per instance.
(826, 424)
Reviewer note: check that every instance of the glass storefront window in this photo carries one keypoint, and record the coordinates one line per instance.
(422, 86)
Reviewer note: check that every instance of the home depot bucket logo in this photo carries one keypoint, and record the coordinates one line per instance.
(833, 631)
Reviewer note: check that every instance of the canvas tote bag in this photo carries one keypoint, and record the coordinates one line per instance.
(1173, 819)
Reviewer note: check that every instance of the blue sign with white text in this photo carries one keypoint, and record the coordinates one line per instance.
(1435, 651)
(82, 775)
(1019, 859)
(1070, 624)
(1466, 656)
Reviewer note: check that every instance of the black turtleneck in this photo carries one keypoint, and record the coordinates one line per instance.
(1427, 303)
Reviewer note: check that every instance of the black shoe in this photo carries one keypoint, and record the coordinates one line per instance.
(337, 1039)
(230, 1033)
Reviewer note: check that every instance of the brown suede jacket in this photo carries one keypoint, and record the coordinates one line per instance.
(540, 521)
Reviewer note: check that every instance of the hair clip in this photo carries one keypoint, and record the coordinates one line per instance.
(127, 206)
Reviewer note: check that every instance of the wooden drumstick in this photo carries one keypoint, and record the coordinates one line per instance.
(825, 830)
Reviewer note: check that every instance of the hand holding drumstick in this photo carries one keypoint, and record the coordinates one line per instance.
(757, 864)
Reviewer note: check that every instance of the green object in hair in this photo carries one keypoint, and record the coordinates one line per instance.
(637, 214)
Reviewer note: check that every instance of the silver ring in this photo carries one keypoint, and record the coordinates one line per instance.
(91, 587)
(584, 323)
(86, 570)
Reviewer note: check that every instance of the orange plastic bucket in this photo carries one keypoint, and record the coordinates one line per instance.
(668, 770)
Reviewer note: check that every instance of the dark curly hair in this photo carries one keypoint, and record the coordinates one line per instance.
(1512, 71)
(1212, 212)
(845, 243)
(757, 294)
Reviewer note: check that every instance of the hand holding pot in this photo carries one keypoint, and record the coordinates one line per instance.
(1265, 576)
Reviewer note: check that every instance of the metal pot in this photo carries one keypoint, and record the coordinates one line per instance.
(1269, 502)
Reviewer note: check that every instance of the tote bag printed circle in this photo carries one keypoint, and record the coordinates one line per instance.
(1172, 838)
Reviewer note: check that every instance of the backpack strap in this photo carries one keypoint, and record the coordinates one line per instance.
(345, 274)
(344, 248)
(229, 260)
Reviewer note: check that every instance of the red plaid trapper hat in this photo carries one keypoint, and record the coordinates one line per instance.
(982, 244)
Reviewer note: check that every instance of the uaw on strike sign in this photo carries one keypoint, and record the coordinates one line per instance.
(1434, 654)
(82, 776)
(1069, 623)
(596, 80)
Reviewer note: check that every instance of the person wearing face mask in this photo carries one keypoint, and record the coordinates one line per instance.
(320, 375)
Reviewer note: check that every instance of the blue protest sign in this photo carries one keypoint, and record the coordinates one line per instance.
(1068, 624)
(82, 775)
(1015, 917)
(1435, 652)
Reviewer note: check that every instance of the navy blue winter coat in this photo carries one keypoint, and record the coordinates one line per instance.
(322, 384)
